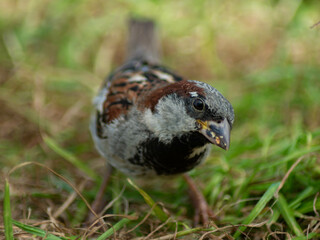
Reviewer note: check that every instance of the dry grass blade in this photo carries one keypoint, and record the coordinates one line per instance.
(158, 228)
(143, 220)
(157, 210)
(314, 205)
(69, 200)
(288, 173)
(315, 25)
(116, 227)
(222, 229)
(58, 175)
(178, 234)
(93, 229)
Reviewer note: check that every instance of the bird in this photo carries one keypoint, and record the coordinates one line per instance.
(148, 121)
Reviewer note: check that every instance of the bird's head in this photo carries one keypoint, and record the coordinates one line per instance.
(188, 107)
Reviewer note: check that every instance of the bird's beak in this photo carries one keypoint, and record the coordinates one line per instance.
(217, 133)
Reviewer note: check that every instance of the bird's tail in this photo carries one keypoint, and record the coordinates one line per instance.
(143, 42)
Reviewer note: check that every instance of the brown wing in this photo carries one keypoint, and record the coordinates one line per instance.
(131, 81)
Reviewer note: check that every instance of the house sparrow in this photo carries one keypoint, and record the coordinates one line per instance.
(149, 121)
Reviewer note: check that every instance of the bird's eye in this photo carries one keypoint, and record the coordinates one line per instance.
(198, 104)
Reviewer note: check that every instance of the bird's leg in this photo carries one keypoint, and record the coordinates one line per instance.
(98, 202)
(203, 212)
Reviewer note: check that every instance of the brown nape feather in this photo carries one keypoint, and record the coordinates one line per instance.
(182, 88)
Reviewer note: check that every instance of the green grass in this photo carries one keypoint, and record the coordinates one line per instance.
(37, 232)
(262, 55)
(7, 219)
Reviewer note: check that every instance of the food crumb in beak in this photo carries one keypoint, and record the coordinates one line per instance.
(218, 140)
(209, 133)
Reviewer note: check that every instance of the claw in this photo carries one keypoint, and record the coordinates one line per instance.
(203, 213)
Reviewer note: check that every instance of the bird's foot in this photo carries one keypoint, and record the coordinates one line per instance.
(203, 213)
(99, 202)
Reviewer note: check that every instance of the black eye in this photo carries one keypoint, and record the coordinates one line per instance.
(198, 104)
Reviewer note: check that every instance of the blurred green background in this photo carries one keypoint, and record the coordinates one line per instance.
(263, 55)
